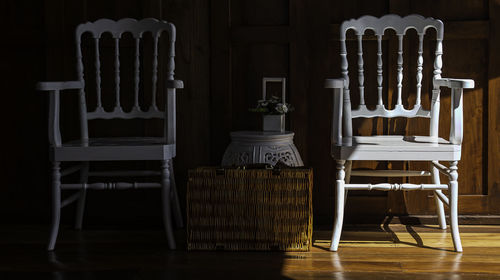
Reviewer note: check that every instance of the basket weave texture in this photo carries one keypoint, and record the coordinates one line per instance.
(253, 209)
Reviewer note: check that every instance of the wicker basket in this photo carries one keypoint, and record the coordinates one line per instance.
(259, 209)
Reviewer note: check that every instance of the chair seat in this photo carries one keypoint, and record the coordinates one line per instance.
(116, 148)
(395, 147)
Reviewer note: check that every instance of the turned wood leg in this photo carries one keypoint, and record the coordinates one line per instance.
(348, 168)
(165, 194)
(56, 205)
(454, 206)
(174, 197)
(439, 203)
(80, 206)
(339, 205)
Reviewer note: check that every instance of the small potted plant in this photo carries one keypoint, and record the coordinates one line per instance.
(273, 113)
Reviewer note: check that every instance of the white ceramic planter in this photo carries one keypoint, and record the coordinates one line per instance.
(273, 123)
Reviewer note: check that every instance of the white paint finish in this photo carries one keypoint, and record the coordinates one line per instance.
(166, 199)
(65, 85)
(117, 29)
(454, 83)
(390, 173)
(454, 206)
(396, 187)
(110, 186)
(443, 199)
(399, 111)
(334, 83)
(420, 63)
(115, 149)
(439, 198)
(266, 80)
(345, 147)
(110, 149)
(248, 147)
(395, 147)
(80, 206)
(55, 205)
(379, 26)
(395, 22)
(340, 194)
(380, 72)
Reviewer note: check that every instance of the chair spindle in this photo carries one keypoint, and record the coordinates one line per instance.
(400, 68)
(137, 64)
(171, 54)
(380, 77)
(117, 75)
(420, 62)
(155, 72)
(98, 73)
(361, 75)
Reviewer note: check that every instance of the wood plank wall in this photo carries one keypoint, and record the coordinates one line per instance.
(224, 48)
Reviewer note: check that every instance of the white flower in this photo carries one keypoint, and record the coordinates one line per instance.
(281, 108)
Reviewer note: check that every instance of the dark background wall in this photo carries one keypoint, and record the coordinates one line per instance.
(223, 49)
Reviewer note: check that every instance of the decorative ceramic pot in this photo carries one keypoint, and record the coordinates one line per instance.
(274, 123)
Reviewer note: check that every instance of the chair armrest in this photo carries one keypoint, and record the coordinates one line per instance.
(174, 84)
(454, 83)
(54, 106)
(457, 87)
(334, 83)
(51, 86)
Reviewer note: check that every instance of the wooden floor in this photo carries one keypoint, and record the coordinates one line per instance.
(369, 252)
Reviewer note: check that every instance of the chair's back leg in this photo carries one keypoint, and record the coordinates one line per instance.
(454, 206)
(174, 197)
(56, 205)
(439, 203)
(339, 205)
(167, 213)
(348, 168)
(80, 206)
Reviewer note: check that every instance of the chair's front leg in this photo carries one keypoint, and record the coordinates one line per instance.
(339, 205)
(454, 206)
(167, 213)
(174, 197)
(56, 205)
(439, 203)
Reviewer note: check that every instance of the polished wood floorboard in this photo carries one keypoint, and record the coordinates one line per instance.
(366, 252)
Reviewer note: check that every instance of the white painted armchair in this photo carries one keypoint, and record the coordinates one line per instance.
(90, 149)
(346, 148)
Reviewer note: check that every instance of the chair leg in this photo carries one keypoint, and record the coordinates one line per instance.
(439, 203)
(454, 206)
(56, 205)
(165, 194)
(339, 205)
(348, 168)
(175, 198)
(80, 206)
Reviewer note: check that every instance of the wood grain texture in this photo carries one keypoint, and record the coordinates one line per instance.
(370, 252)
(493, 113)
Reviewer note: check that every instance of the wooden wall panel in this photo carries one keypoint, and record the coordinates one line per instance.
(493, 154)
(224, 47)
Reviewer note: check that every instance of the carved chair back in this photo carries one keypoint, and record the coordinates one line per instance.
(117, 29)
(400, 25)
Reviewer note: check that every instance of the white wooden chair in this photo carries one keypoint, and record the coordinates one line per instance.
(345, 147)
(87, 149)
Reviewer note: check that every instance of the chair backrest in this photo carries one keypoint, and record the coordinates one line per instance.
(379, 25)
(116, 29)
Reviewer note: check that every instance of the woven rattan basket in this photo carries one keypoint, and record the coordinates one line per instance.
(253, 209)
